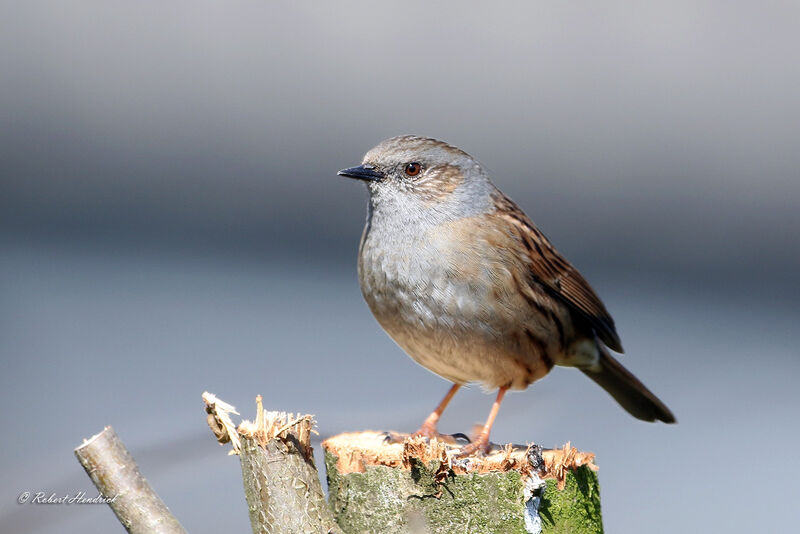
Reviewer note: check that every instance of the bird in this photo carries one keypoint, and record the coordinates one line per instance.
(468, 286)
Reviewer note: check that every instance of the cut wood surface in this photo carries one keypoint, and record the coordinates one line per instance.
(376, 485)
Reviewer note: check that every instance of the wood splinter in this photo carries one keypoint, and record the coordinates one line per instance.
(281, 483)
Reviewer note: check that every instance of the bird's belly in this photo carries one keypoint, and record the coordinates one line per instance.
(454, 327)
(466, 358)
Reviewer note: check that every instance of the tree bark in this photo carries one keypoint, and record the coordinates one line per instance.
(116, 475)
(281, 483)
(415, 486)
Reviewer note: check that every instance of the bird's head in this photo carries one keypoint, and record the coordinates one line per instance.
(420, 174)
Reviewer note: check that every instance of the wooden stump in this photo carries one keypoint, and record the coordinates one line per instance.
(416, 486)
(404, 486)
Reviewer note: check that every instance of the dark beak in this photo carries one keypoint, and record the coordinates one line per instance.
(364, 172)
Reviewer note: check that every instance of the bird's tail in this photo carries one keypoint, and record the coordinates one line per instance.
(627, 389)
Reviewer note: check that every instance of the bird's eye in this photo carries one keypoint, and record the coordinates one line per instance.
(412, 169)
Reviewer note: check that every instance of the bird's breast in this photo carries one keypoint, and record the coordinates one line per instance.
(414, 281)
(450, 301)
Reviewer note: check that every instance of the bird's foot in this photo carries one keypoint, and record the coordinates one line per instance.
(429, 432)
(457, 439)
(479, 447)
(394, 437)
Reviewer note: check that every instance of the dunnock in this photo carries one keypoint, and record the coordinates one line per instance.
(467, 285)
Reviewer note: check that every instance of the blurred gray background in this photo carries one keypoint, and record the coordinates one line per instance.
(171, 222)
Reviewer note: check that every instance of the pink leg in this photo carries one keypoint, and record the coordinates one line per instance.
(428, 428)
(482, 443)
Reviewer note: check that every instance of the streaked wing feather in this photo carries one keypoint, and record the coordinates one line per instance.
(555, 273)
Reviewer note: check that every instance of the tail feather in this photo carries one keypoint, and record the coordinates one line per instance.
(627, 390)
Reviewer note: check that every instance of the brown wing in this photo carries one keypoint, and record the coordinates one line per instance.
(558, 275)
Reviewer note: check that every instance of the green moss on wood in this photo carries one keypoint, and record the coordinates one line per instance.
(384, 499)
(576, 508)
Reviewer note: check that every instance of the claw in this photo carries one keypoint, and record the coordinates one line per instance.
(426, 431)
(452, 439)
(460, 436)
(476, 448)
(394, 437)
